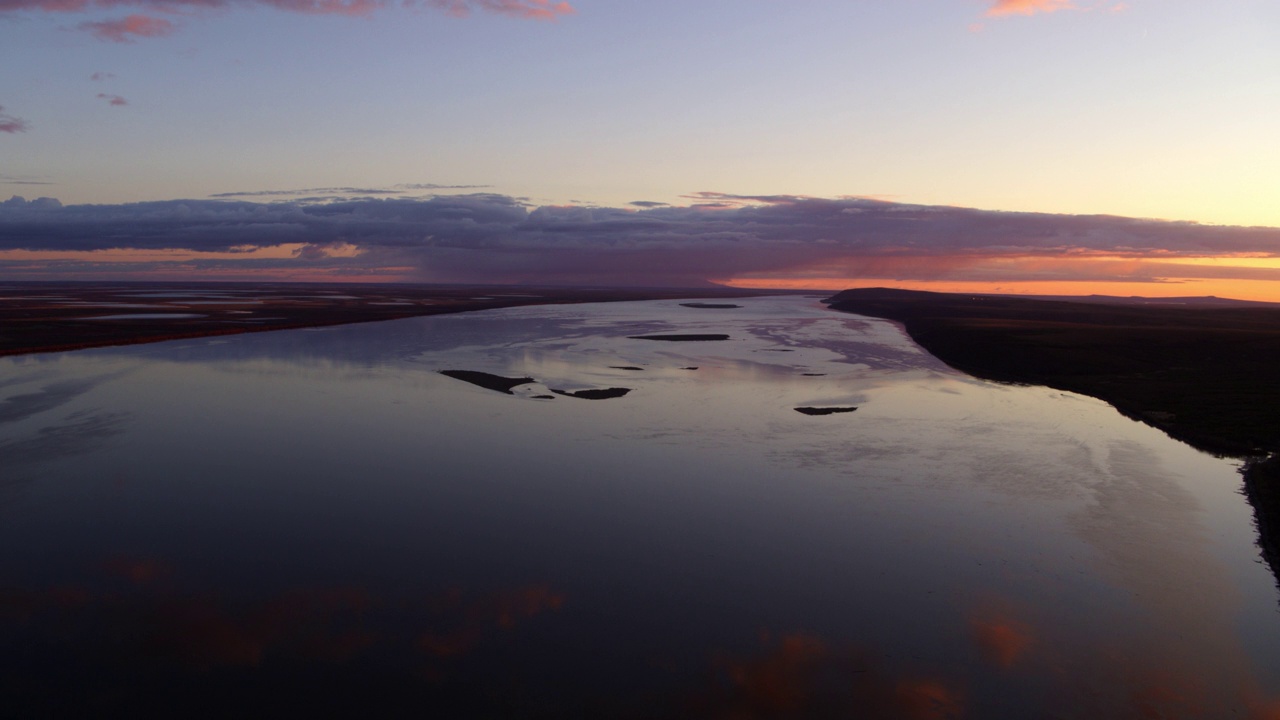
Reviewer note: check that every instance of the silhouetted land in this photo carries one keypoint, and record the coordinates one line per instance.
(53, 316)
(1204, 370)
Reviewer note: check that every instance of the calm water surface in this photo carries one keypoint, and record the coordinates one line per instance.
(320, 521)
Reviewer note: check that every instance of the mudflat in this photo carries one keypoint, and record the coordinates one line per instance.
(53, 316)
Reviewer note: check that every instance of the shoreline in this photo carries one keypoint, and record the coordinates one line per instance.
(1202, 375)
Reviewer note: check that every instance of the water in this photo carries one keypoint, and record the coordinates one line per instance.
(319, 521)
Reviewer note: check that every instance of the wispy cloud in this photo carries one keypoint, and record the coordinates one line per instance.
(328, 194)
(144, 25)
(434, 186)
(114, 100)
(10, 123)
(102, 76)
(330, 191)
(129, 28)
(24, 180)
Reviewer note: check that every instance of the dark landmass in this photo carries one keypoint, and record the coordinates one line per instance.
(55, 316)
(488, 381)
(710, 306)
(594, 394)
(690, 337)
(824, 410)
(625, 367)
(814, 374)
(543, 397)
(1205, 373)
(689, 368)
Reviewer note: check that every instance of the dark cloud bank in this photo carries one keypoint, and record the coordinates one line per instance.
(495, 238)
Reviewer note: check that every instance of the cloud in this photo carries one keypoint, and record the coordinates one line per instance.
(433, 186)
(11, 124)
(1028, 7)
(329, 194)
(23, 180)
(333, 191)
(486, 237)
(1005, 8)
(102, 76)
(129, 28)
(114, 100)
(527, 9)
(140, 25)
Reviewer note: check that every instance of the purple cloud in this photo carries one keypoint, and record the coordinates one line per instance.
(146, 25)
(496, 238)
(114, 100)
(129, 28)
(11, 124)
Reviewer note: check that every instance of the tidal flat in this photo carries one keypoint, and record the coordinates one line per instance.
(320, 520)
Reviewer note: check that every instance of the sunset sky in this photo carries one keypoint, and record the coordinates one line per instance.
(1054, 146)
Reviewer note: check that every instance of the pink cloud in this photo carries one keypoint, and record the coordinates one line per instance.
(1028, 7)
(527, 9)
(127, 29)
(11, 124)
(115, 100)
(327, 7)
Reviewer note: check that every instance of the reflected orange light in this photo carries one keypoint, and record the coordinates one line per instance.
(1003, 641)
(928, 700)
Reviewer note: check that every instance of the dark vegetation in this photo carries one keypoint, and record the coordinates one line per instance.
(1205, 373)
(824, 410)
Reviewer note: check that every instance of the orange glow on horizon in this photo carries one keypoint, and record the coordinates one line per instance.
(1257, 290)
(1247, 277)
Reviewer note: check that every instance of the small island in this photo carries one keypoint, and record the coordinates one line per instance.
(594, 393)
(824, 410)
(682, 337)
(488, 381)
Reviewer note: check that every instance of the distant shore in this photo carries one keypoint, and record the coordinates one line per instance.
(40, 317)
(1205, 374)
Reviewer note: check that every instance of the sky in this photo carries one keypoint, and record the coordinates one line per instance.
(1048, 146)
